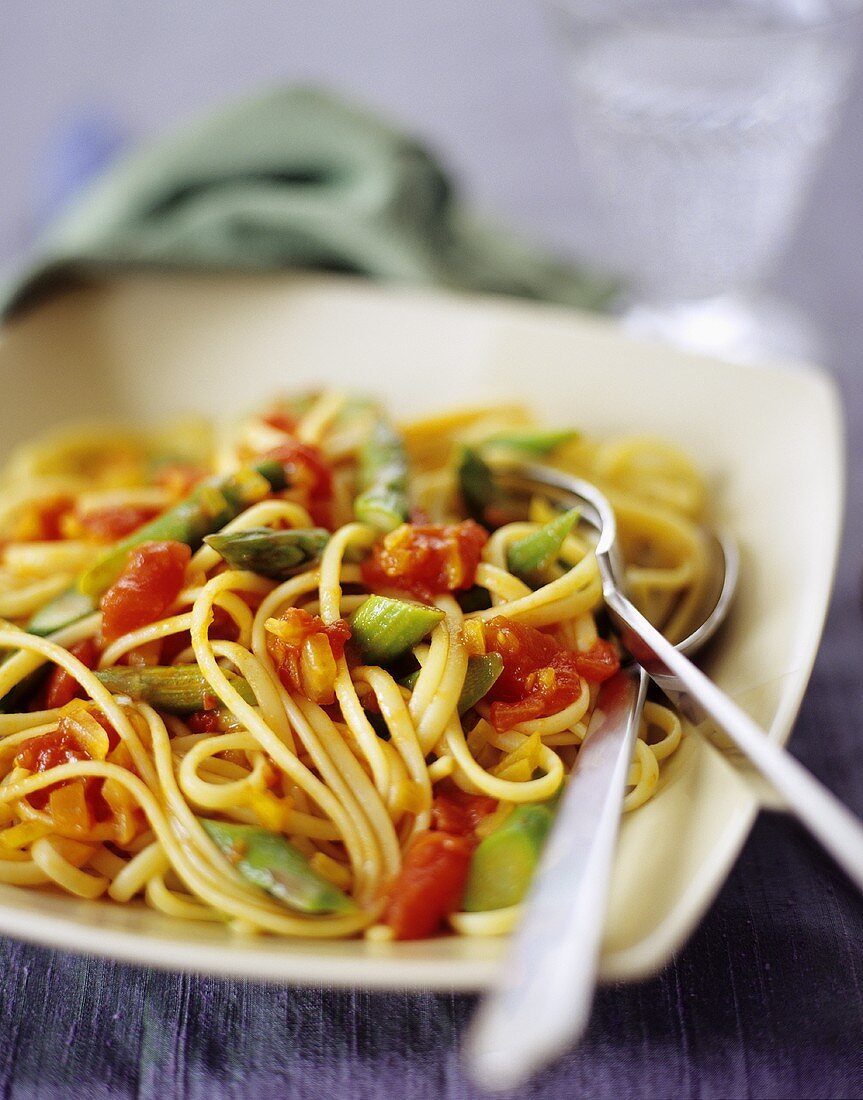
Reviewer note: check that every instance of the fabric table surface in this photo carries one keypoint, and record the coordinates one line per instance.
(766, 999)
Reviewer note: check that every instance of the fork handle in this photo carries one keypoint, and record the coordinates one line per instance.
(542, 999)
(838, 830)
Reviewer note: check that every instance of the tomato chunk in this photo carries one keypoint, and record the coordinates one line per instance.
(427, 559)
(599, 663)
(204, 721)
(61, 688)
(457, 812)
(43, 522)
(539, 676)
(305, 650)
(146, 588)
(309, 473)
(111, 524)
(179, 478)
(281, 422)
(40, 754)
(430, 885)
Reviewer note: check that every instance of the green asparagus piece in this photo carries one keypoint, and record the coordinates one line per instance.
(276, 554)
(482, 671)
(268, 861)
(383, 480)
(503, 865)
(476, 483)
(208, 509)
(383, 628)
(540, 548)
(537, 442)
(68, 607)
(178, 689)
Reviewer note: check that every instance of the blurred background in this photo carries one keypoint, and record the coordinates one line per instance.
(484, 84)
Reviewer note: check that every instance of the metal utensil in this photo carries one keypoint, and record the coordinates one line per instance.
(544, 992)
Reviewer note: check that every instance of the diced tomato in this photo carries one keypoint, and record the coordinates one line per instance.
(51, 518)
(306, 467)
(40, 754)
(51, 750)
(427, 559)
(457, 812)
(204, 721)
(105, 723)
(60, 688)
(539, 676)
(429, 886)
(111, 524)
(43, 522)
(305, 650)
(146, 588)
(281, 422)
(179, 478)
(599, 663)
(75, 804)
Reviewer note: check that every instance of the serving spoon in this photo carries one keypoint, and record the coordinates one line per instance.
(542, 1000)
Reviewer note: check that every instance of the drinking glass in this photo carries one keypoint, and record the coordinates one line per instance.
(698, 125)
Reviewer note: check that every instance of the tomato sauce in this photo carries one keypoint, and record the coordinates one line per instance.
(540, 677)
(427, 559)
(60, 688)
(286, 650)
(40, 754)
(281, 422)
(114, 523)
(43, 522)
(179, 478)
(308, 472)
(83, 802)
(457, 812)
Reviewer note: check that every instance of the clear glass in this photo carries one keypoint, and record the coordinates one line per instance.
(698, 125)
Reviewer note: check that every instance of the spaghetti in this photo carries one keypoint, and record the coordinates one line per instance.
(352, 708)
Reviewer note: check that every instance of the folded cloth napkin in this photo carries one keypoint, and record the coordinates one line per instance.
(295, 178)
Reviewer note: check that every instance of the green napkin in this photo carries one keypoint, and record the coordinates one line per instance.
(295, 178)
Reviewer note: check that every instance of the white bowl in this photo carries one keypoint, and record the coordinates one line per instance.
(145, 348)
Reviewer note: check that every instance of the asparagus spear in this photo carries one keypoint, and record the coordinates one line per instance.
(383, 479)
(208, 509)
(476, 483)
(67, 608)
(482, 671)
(276, 554)
(539, 549)
(502, 866)
(537, 442)
(383, 628)
(178, 689)
(267, 860)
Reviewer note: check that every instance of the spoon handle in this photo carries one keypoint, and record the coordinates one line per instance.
(542, 1000)
(700, 700)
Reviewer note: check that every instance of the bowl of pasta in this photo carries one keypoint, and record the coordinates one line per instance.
(290, 687)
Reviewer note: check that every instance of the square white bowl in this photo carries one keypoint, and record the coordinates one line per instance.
(147, 348)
